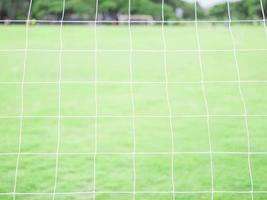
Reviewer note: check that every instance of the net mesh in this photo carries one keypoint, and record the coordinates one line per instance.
(167, 130)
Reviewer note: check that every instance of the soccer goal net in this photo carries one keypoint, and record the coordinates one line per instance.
(133, 99)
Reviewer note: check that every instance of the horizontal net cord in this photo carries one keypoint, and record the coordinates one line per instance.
(137, 192)
(99, 82)
(133, 21)
(176, 153)
(133, 50)
(130, 116)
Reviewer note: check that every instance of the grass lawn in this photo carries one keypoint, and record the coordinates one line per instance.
(114, 171)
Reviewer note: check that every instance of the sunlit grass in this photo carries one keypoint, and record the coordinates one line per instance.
(114, 133)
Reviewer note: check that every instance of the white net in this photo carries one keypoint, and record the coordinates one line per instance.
(143, 109)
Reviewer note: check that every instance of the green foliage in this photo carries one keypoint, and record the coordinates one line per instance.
(13, 9)
(42, 9)
(248, 9)
(219, 11)
(84, 7)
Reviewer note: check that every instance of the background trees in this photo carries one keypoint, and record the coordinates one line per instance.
(246, 9)
(85, 9)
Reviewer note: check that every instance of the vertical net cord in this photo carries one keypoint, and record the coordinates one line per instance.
(59, 100)
(204, 94)
(95, 99)
(242, 98)
(263, 17)
(168, 97)
(22, 98)
(132, 99)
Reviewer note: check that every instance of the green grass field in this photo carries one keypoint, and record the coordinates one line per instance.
(114, 172)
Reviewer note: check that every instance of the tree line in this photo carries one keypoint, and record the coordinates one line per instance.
(245, 9)
(85, 9)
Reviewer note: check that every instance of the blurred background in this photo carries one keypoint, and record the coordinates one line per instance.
(115, 10)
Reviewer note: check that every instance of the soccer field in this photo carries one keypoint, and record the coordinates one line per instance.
(159, 115)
